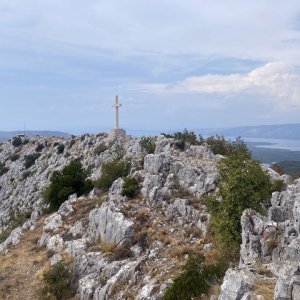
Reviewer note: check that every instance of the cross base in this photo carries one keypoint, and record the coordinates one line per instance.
(117, 133)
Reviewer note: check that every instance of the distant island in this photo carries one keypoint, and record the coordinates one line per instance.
(280, 131)
(6, 135)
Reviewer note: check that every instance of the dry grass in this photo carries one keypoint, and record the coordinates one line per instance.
(22, 268)
(265, 288)
(180, 251)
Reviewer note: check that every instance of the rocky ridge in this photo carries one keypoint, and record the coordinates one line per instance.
(133, 248)
(119, 245)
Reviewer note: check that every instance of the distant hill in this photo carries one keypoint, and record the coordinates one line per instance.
(281, 131)
(6, 135)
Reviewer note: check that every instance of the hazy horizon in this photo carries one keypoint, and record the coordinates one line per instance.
(174, 64)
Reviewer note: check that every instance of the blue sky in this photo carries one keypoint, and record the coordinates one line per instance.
(174, 64)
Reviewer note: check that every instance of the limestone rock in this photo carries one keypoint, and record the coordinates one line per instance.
(109, 226)
(236, 284)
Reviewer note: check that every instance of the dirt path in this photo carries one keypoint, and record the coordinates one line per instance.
(22, 268)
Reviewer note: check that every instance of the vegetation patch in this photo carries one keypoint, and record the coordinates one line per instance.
(130, 187)
(148, 144)
(17, 142)
(3, 168)
(243, 184)
(58, 282)
(99, 149)
(16, 220)
(196, 279)
(111, 171)
(30, 159)
(60, 148)
(14, 157)
(72, 179)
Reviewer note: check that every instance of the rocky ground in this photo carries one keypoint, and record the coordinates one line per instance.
(134, 248)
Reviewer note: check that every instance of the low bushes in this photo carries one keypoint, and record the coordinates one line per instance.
(60, 148)
(72, 179)
(30, 159)
(148, 144)
(112, 170)
(15, 157)
(58, 282)
(130, 187)
(99, 149)
(196, 279)
(3, 168)
(17, 142)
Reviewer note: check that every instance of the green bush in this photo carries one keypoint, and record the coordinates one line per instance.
(16, 220)
(111, 171)
(186, 136)
(3, 168)
(196, 279)
(17, 142)
(147, 144)
(72, 142)
(60, 148)
(15, 157)
(29, 160)
(58, 282)
(243, 184)
(130, 187)
(72, 179)
(278, 185)
(39, 147)
(99, 149)
(219, 145)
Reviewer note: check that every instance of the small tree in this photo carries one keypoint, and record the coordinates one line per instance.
(112, 170)
(148, 144)
(17, 141)
(58, 282)
(72, 179)
(60, 148)
(196, 279)
(130, 187)
(243, 184)
(29, 160)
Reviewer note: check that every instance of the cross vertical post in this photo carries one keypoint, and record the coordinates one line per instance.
(116, 106)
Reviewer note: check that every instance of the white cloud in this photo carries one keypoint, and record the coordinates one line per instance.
(277, 80)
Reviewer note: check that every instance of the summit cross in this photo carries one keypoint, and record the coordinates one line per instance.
(116, 106)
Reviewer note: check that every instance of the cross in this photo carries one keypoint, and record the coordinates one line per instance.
(116, 106)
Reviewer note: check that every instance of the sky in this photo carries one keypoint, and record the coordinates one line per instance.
(174, 64)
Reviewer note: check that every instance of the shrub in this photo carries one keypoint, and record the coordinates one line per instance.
(186, 136)
(278, 185)
(39, 147)
(196, 279)
(58, 282)
(72, 142)
(130, 187)
(243, 184)
(26, 174)
(30, 159)
(99, 149)
(111, 171)
(16, 220)
(15, 157)
(72, 179)
(219, 145)
(17, 141)
(147, 144)
(3, 168)
(60, 148)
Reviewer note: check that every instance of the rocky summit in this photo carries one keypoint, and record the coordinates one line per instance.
(125, 247)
